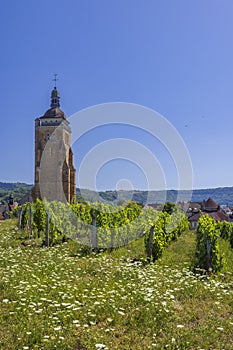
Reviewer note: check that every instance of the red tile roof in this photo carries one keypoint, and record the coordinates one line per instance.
(210, 204)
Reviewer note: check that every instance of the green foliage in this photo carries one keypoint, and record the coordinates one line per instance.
(62, 221)
(18, 189)
(116, 225)
(225, 229)
(39, 209)
(39, 216)
(64, 298)
(207, 230)
(169, 207)
(83, 211)
(12, 214)
(177, 224)
(166, 228)
(25, 215)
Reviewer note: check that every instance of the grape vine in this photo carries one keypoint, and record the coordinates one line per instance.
(208, 256)
(167, 227)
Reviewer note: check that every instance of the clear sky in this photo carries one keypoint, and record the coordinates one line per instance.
(175, 57)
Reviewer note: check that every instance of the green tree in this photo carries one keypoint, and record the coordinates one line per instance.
(169, 207)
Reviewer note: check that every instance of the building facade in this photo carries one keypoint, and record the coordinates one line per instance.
(54, 174)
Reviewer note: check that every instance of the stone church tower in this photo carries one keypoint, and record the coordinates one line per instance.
(55, 175)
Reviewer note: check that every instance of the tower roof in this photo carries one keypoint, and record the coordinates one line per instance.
(54, 111)
(211, 204)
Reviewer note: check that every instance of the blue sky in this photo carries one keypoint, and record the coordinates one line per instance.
(175, 57)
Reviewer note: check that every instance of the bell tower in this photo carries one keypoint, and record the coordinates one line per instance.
(54, 174)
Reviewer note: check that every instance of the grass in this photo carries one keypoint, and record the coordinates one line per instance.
(60, 298)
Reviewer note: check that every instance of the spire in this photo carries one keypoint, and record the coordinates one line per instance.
(55, 95)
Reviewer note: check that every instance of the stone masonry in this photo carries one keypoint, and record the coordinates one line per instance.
(55, 175)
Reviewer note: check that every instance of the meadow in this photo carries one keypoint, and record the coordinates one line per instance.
(62, 297)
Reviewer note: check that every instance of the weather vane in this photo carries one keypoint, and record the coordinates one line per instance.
(55, 79)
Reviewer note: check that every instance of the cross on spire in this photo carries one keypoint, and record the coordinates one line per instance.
(55, 79)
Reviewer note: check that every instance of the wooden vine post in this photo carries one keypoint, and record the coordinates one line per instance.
(47, 230)
(93, 238)
(208, 251)
(20, 213)
(150, 244)
(30, 221)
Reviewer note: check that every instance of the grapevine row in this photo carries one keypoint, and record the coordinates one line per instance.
(166, 228)
(115, 225)
(209, 232)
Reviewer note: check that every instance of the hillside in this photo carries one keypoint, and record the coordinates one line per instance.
(19, 189)
(222, 195)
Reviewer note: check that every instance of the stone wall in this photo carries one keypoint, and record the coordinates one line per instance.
(54, 169)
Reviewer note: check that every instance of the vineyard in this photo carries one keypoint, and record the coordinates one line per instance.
(114, 278)
(101, 225)
(105, 226)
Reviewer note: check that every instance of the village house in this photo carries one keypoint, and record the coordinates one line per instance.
(194, 210)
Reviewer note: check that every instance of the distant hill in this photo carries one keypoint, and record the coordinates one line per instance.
(17, 188)
(222, 195)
